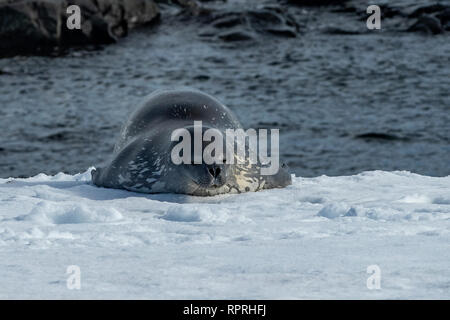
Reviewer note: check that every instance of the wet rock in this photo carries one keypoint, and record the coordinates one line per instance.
(427, 24)
(20, 29)
(434, 8)
(431, 19)
(228, 21)
(444, 17)
(390, 12)
(346, 9)
(235, 36)
(248, 24)
(39, 26)
(188, 7)
(139, 12)
(316, 3)
(286, 32)
(387, 11)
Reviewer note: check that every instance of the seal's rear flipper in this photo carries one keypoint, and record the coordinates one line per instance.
(279, 180)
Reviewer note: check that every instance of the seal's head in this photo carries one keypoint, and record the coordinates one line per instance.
(205, 172)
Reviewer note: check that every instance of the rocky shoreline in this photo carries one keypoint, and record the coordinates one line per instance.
(39, 26)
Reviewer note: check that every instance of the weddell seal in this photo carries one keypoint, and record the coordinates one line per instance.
(155, 153)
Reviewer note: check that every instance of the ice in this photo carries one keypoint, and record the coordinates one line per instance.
(314, 239)
(46, 212)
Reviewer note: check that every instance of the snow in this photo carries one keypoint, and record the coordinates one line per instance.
(314, 239)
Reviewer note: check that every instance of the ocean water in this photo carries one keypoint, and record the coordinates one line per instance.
(343, 103)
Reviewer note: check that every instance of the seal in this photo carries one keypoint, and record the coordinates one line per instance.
(142, 162)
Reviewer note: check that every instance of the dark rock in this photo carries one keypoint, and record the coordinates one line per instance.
(431, 19)
(444, 17)
(427, 24)
(247, 24)
(39, 26)
(19, 27)
(346, 9)
(235, 36)
(228, 21)
(189, 7)
(390, 12)
(316, 3)
(264, 17)
(139, 12)
(387, 11)
(428, 10)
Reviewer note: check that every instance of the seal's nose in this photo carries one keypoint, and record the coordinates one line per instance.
(216, 175)
(214, 172)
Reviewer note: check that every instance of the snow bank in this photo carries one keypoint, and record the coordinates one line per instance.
(314, 239)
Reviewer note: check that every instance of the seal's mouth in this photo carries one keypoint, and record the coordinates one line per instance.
(211, 191)
(204, 188)
(205, 180)
(214, 184)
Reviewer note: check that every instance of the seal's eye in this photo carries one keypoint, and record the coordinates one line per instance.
(214, 172)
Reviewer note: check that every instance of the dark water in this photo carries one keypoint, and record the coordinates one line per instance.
(343, 103)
